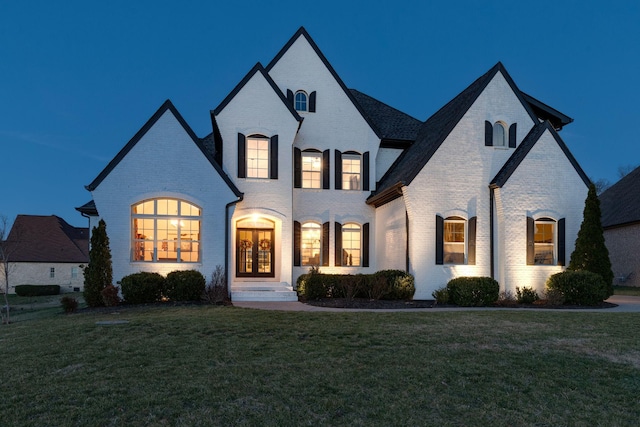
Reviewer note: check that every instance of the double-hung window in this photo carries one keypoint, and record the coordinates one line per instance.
(311, 235)
(257, 157)
(351, 170)
(544, 242)
(311, 169)
(454, 240)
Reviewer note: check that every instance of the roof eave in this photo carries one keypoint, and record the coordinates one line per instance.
(388, 195)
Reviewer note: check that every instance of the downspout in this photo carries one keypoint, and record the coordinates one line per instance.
(227, 238)
(491, 196)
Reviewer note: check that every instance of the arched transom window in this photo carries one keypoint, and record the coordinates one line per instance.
(165, 230)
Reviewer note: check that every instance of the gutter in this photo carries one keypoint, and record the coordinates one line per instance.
(227, 239)
(491, 198)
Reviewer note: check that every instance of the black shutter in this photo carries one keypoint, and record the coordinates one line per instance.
(338, 168)
(561, 242)
(312, 102)
(471, 256)
(297, 243)
(488, 134)
(290, 97)
(439, 240)
(338, 251)
(325, 244)
(242, 151)
(531, 254)
(273, 157)
(513, 135)
(365, 245)
(365, 171)
(297, 168)
(326, 162)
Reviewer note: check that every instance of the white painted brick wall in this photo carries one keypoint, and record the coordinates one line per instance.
(391, 235)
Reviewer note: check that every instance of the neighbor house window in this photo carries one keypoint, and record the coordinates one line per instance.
(311, 243)
(351, 169)
(257, 157)
(351, 244)
(544, 242)
(301, 101)
(454, 240)
(52, 272)
(311, 169)
(499, 135)
(74, 272)
(166, 230)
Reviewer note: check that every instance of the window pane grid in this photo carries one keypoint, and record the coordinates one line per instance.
(454, 244)
(351, 245)
(257, 158)
(350, 172)
(311, 170)
(301, 101)
(310, 244)
(543, 243)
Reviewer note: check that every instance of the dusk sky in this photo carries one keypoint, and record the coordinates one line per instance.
(79, 78)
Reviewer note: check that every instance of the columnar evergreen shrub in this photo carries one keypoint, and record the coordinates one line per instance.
(591, 253)
(37, 290)
(473, 291)
(98, 274)
(139, 288)
(187, 285)
(578, 287)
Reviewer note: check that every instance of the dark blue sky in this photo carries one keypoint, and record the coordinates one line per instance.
(79, 78)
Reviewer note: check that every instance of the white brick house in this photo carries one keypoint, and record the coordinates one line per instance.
(301, 171)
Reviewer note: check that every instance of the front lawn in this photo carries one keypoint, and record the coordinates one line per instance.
(205, 365)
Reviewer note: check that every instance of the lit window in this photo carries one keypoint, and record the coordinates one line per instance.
(351, 245)
(311, 170)
(310, 243)
(52, 272)
(257, 157)
(454, 241)
(544, 244)
(351, 168)
(499, 135)
(165, 230)
(301, 101)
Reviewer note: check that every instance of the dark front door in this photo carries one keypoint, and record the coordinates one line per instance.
(254, 252)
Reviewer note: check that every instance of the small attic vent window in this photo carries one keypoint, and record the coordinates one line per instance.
(301, 101)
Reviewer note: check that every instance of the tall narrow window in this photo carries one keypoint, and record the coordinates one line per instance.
(74, 272)
(454, 240)
(311, 169)
(301, 101)
(499, 135)
(257, 157)
(351, 170)
(311, 243)
(544, 242)
(52, 272)
(351, 245)
(165, 230)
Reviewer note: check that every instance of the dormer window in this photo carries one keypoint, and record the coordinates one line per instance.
(499, 135)
(301, 101)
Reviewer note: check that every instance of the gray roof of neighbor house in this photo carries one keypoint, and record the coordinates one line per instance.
(620, 204)
(36, 238)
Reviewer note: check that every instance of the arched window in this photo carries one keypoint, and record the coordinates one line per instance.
(351, 244)
(165, 230)
(301, 101)
(499, 134)
(311, 243)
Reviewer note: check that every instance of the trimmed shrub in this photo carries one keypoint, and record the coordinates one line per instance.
(579, 287)
(441, 295)
(187, 285)
(385, 284)
(110, 296)
(526, 295)
(37, 290)
(140, 288)
(473, 291)
(69, 304)
(400, 284)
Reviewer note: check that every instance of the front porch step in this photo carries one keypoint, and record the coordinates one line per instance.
(262, 291)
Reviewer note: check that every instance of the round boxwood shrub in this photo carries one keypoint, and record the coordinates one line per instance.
(187, 285)
(139, 288)
(579, 287)
(473, 291)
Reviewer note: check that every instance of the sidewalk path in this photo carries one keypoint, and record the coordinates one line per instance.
(626, 304)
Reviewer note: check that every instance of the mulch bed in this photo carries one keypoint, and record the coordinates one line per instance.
(363, 303)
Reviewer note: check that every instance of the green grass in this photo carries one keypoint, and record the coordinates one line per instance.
(627, 290)
(205, 365)
(40, 307)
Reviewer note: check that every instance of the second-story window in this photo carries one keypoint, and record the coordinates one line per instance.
(311, 170)
(351, 169)
(301, 101)
(257, 157)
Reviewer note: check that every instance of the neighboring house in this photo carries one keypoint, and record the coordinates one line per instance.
(620, 207)
(45, 250)
(300, 171)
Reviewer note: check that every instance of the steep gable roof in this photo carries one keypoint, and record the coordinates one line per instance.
(545, 112)
(392, 125)
(47, 239)
(88, 209)
(620, 204)
(302, 32)
(434, 132)
(167, 105)
(525, 147)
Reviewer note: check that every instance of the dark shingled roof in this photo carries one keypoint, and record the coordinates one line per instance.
(526, 145)
(47, 239)
(88, 208)
(545, 112)
(620, 204)
(389, 124)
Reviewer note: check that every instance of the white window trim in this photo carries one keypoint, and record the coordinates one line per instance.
(464, 244)
(554, 244)
(306, 102)
(345, 229)
(315, 155)
(505, 135)
(350, 156)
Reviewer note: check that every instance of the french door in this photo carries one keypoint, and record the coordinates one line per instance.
(254, 252)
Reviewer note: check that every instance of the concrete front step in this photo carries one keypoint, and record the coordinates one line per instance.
(262, 291)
